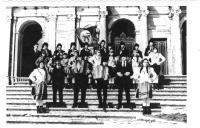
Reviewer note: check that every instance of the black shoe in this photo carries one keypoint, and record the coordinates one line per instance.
(100, 105)
(148, 110)
(74, 105)
(119, 106)
(39, 109)
(43, 109)
(144, 110)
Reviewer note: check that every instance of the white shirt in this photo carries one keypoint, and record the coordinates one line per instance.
(95, 60)
(38, 75)
(156, 58)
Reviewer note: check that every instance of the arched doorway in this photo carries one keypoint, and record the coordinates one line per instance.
(123, 30)
(184, 47)
(29, 34)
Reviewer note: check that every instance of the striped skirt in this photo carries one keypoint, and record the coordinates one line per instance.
(40, 91)
(144, 90)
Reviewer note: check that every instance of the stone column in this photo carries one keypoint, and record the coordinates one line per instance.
(175, 64)
(7, 63)
(142, 16)
(102, 13)
(51, 31)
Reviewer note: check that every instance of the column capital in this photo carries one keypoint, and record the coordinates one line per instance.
(142, 12)
(174, 11)
(50, 17)
(103, 14)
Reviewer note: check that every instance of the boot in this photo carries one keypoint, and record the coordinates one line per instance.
(144, 112)
(119, 106)
(74, 105)
(39, 109)
(43, 110)
(148, 110)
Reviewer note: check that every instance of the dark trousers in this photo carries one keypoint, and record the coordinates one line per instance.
(156, 68)
(76, 92)
(81, 83)
(123, 84)
(60, 91)
(102, 85)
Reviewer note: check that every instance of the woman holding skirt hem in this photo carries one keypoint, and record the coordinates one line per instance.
(146, 77)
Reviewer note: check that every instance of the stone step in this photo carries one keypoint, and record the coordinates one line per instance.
(94, 110)
(94, 106)
(90, 97)
(95, 102)
(169, 90)
(93, 95)
(10, 95)
(115, 97)
(50, 86)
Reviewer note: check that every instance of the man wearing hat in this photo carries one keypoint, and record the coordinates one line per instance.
(123, 81)
(122, 49)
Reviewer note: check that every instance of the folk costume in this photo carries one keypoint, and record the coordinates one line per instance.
(38, 78)
(146, 77)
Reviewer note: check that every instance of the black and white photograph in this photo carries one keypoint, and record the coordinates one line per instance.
(98, 65)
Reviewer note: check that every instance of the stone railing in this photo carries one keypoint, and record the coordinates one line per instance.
(18, 80)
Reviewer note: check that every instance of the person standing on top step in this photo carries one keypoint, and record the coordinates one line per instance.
(122, 49)
(58, 76)
(58, 53)
(136, 49)
(123, 81)
(156, 59)
(149, 48)
(146, 77)
(38, 79)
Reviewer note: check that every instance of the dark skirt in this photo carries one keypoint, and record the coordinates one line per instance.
(40, 91)
(144, 90)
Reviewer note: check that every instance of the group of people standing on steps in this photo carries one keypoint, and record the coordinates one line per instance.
(102, 68)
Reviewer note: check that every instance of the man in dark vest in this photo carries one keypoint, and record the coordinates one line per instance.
(80, 70)
(123, 81)
(58, 75)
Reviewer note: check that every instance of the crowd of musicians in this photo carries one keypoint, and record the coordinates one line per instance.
(100, 68)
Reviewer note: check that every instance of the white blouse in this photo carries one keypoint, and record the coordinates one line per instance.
(95, 60)
(156, 58)
(38, 75)
(149, 76)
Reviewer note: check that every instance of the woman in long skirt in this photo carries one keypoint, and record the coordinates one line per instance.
(146, 77)
(38, 78)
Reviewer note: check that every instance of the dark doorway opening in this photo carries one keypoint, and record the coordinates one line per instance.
(184, 48)
(123, 30)
(29, 35)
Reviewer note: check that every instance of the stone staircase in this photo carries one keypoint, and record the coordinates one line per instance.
(21, 107)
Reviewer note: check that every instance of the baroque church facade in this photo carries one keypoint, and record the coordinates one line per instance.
(165, 25)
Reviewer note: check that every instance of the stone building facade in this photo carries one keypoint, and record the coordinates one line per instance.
(165, 25)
